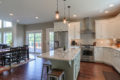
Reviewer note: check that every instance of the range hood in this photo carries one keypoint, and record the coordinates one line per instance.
(88, 31)
(89, 26)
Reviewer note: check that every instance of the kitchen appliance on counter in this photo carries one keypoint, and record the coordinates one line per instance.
(87, 53)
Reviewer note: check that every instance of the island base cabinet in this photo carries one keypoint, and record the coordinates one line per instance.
(71, 68)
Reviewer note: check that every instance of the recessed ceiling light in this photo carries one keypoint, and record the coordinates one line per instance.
(74, 15)
(106, 12)
(11, 14)
(111, 5)
(36, 17)
(18, 20)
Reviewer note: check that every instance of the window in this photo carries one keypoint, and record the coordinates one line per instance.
(8, 38)
(7, 24)
(0, 37)
(0, 23)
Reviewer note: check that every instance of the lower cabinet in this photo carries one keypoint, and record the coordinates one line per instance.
(98, 53)
(108, 56)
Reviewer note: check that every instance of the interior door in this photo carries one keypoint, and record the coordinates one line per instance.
(49, 39)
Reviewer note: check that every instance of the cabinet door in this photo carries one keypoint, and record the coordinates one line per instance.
(71, 31)
(77, 30)
(98, 52)
(116, 60)
(60, 26)
(107, 55)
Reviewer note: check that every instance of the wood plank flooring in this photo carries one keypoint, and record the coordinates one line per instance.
(32, 71)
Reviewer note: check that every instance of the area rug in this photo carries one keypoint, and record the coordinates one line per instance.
(6, 68)
(111, 76)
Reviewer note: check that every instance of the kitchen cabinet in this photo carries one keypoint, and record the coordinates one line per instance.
(98, 54)
(108, 55)
(107, 58)
(60, 26)
(108, 28)
(116, 60)
(73, 32)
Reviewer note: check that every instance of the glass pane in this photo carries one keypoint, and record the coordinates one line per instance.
(51, 46)
(31, 42)
(38, 42)
(0, 23)
(8, 38)
(7, 24)
(0, 38)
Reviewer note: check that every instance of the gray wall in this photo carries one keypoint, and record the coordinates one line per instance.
(40, 26)
(18, 33)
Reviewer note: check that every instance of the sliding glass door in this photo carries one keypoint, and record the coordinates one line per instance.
(35, 42)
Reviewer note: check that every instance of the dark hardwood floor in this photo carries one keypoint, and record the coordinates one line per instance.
(32, 71)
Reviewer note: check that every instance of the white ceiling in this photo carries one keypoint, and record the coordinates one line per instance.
(27, 10)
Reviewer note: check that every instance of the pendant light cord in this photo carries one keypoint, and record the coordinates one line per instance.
(64, 8)
(69, 12)
(57, 5)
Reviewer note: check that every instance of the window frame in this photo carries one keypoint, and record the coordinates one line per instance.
(4, 42)
(4, 25)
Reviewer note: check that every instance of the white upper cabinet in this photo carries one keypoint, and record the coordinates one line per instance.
(74, 30)
(108, 28)
(60, 26)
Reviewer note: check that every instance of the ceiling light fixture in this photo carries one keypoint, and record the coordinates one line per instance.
(74, 15)
(11, 14)
(69, 15)
(36, 17)
(111, 5)
(64, 19)
(57, 15)
(106, 12)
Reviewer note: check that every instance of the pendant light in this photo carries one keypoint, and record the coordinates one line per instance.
(64, 19)
(57, 15)
(69, 15)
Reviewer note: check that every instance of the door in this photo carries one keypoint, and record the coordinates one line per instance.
(35, 42)
(49, 39)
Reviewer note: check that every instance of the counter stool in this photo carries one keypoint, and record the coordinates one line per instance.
(48, 66)
(56, 74)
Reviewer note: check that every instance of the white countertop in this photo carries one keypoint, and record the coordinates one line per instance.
(113, 47)
(59, 54)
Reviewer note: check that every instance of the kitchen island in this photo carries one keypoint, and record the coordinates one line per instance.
(68, 60)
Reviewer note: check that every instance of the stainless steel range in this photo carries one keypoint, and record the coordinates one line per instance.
(87, 53)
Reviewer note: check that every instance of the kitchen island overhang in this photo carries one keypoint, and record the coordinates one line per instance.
(68, 60)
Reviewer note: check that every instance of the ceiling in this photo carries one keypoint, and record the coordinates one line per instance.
(26, 10)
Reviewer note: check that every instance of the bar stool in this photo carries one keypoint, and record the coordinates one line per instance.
(48, 65)
(56, 74)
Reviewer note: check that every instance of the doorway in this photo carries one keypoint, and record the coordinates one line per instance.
(35, 42)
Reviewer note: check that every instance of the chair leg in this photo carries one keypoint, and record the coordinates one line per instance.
(42, 72)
